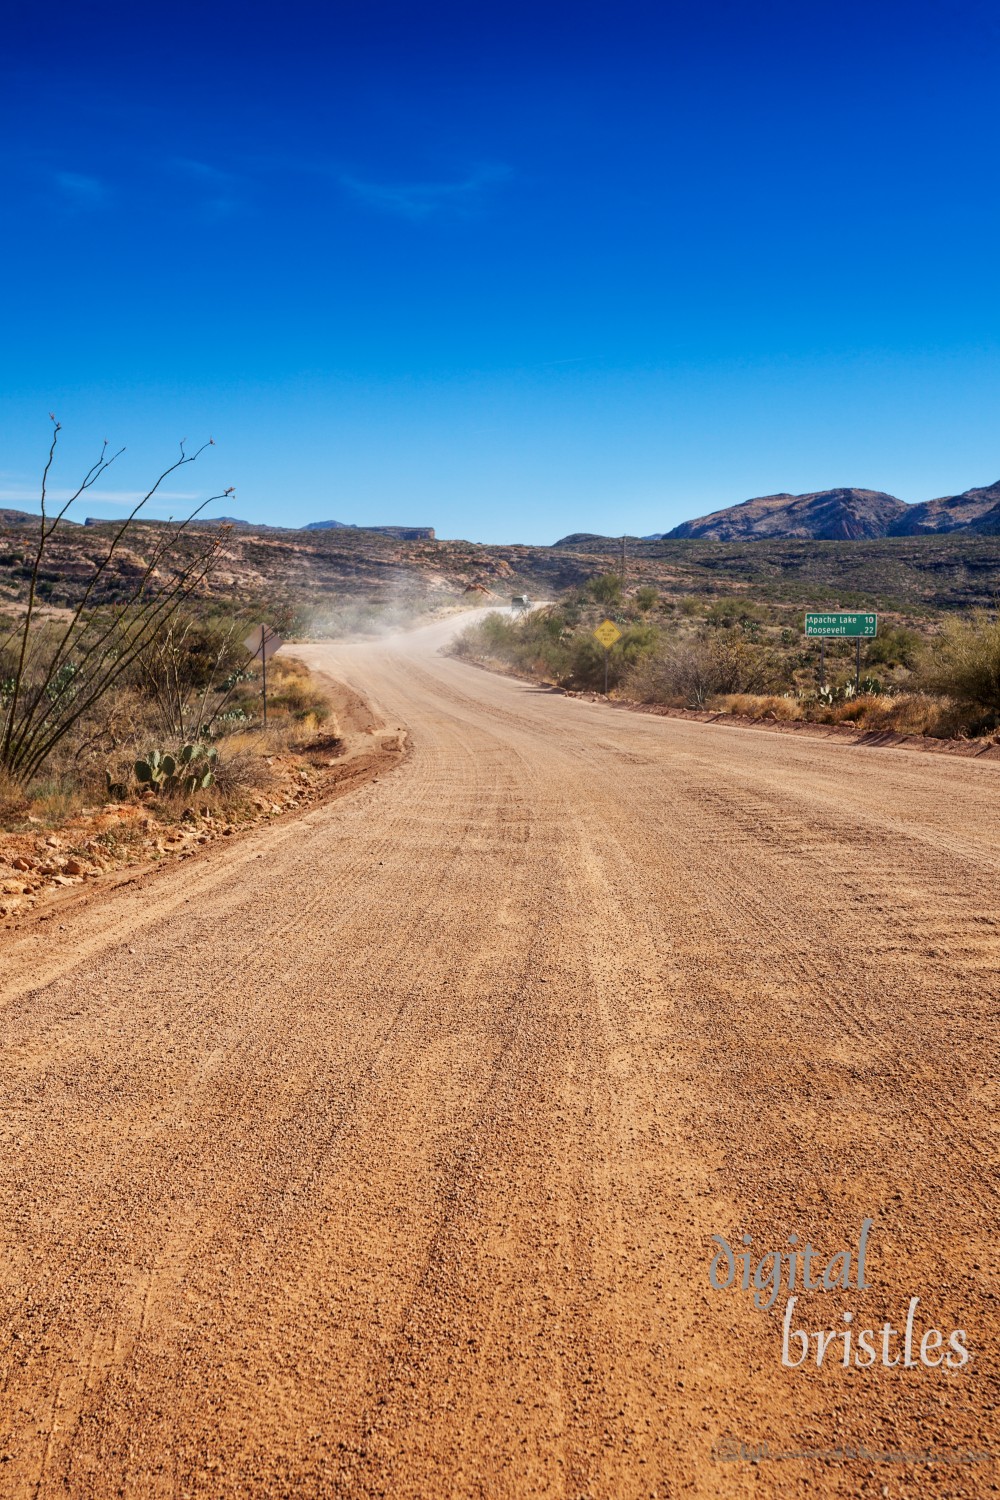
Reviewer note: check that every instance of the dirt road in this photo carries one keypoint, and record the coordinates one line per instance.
(380, 1155)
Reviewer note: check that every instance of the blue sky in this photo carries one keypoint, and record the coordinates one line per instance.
(508, 271)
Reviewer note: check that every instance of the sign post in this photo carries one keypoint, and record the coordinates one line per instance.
(843, 624)
(263, 642)
(606, 634)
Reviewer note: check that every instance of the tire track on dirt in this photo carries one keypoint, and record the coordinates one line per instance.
(388, 1162)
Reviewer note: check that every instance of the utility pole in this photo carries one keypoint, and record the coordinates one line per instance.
(624, 562)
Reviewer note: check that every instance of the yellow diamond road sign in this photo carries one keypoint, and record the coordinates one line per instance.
(607, 633)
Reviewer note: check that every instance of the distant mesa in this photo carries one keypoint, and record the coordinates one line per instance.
(401, 533)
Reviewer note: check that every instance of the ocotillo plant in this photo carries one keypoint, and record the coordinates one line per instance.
(57, 674)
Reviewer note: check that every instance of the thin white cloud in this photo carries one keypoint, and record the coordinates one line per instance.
(419, 200)
(80, 191)
(22, 494)
(201, 171)
(224, 192)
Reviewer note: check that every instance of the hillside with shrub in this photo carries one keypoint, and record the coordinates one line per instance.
(938, 676)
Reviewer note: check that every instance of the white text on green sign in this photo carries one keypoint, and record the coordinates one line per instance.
(841, 622)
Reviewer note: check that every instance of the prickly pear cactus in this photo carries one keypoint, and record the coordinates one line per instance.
(189, 771)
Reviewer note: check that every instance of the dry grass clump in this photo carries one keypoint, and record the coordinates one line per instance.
(912, 713)
(760, 706)
(293, 693)
(872, 713)
(843, 711)
(13, 800)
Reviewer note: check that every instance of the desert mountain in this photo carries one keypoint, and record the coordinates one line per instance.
(988, 524)
(847, 515)
(824, 515)
(967, 511)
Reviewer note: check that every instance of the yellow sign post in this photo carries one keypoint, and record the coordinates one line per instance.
(606, 634)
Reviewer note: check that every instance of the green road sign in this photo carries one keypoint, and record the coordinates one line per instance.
(842, 624)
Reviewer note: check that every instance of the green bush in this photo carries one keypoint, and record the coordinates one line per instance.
(533, 643)
(730, 612)
(605, 590)
(894, 646)
(964, 662)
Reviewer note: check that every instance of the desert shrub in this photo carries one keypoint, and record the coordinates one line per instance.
(730, 612)
(646, 597)
(895, 646)
(241, 768)
(534, 643)
(186, 670)
(53, 799)
(586, 666)
(57, 670)
(692, 671)
(964, 663)
(607, 589)
(293, 691)
(850, 710)
(13, 801)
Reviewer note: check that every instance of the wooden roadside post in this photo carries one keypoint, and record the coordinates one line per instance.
(263, 642)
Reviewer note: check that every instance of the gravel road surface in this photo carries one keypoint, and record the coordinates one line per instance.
(381, 1153)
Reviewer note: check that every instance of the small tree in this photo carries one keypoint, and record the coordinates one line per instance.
(54, 674)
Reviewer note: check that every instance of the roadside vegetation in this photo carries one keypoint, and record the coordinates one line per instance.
(140, 692)
(923, 674)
